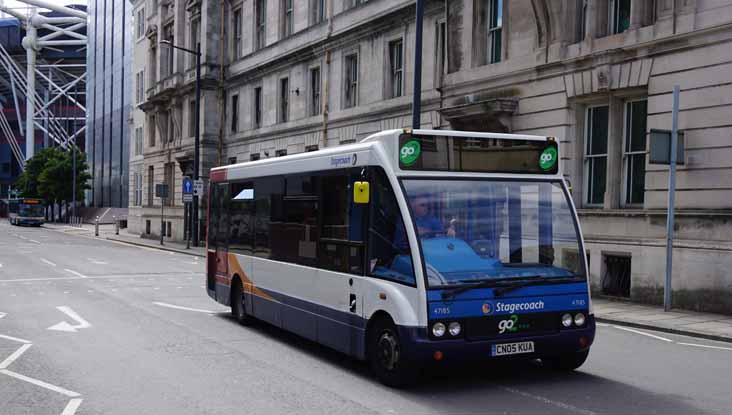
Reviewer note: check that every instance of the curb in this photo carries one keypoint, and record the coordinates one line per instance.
(664, 329)
(161, 248)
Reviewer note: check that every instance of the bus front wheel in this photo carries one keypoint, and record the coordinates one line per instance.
(385, 356)
(566, 362)
(237, 304)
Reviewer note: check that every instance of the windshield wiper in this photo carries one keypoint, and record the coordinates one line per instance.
(506, 285)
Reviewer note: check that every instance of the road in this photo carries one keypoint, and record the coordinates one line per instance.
(135, 333)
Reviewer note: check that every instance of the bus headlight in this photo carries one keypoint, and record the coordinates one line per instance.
(567, 320)
(454, 328)
(438, 329)
(579, 319)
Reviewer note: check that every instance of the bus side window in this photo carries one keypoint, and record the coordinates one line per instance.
(241, 218)
(268, 194)
(389, 254)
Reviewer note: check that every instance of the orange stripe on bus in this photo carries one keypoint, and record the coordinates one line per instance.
(247, 284)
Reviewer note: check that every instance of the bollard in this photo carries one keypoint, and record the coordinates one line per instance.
(96, 226)
(116, 225)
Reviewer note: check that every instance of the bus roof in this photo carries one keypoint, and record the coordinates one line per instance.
(351, 155)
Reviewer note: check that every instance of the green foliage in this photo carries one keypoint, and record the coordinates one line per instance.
(48, 175)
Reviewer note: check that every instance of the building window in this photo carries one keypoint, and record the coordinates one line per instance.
(237, 34)
(317, 11)
(138, 141)
(350, 86)
(169, 52)
(191, 117)
(286, 18)
(315, 105)
(169, 179)
(153, 65)
(140, 87)
(257, 107)
(581, 6)
(195, 39)
(151, 133)
(619, 15)
(232, 160)
(234, 113)
(396, 69)
(154, 8)
(495, 26)
(284, 107)
(634, 152)
(150, 186)
(260, 22)
(313, 147)
(281, 153)
(441, 49)
(140, 23)
(137, 190)
(254, 157)
(354, 3)
(596, 154)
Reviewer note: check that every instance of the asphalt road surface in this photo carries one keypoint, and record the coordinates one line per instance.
(95, 327)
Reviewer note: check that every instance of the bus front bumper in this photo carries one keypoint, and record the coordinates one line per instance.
(421, 348)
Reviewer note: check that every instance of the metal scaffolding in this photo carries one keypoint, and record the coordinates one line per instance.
(45, 83)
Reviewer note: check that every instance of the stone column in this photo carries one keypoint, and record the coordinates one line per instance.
(613, 189)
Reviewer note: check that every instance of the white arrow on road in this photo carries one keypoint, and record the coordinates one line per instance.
(3, 314)
(64, 326)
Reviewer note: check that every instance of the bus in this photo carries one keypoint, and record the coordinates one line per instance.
(407, 248)
(26, 212)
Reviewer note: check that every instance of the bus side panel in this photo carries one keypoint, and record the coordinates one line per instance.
(400, 301)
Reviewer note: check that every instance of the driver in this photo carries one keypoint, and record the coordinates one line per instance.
(428, 225)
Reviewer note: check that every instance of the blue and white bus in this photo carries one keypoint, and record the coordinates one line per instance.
(411, 246)
(26, 212)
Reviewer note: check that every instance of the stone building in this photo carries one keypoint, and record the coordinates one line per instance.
(286, 76)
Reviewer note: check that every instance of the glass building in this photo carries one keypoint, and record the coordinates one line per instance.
(109, 57)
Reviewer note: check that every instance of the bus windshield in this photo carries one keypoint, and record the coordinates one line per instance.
(477, 230)
(31, 210)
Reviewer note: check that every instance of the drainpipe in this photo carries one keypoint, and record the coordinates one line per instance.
(326, 93)
(673, 16)
(222, 115)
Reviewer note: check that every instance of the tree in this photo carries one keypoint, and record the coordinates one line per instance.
(49, 175)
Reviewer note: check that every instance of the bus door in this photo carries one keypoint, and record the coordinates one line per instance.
(341, 253)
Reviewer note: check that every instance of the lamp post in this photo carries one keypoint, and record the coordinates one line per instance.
(197, 137)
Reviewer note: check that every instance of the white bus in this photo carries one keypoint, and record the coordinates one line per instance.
(408, 247)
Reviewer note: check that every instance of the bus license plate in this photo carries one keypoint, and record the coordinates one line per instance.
(512, 348)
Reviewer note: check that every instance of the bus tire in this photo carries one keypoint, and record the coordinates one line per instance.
(566, 363)
(386, 362)
(238, 311)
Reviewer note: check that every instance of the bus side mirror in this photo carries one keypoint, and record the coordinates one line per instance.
(361, 194)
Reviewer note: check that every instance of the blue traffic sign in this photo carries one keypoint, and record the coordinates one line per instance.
(187, 186)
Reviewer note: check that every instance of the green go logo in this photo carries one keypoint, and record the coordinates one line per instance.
(548, 158)
(410, 152)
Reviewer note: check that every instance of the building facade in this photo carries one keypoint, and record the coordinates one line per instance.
(283, 76)
(109, 57)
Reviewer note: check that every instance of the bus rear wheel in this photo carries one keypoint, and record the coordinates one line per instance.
(386, 358)
(566, 362)
(238, 311)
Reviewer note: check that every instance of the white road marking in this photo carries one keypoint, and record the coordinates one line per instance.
(178, 307)
(643, 333)
(3, 314)
(98, 277)
(602, 325)
(558, 404)
(1, 265)
(34, 241)
(15, 339)
(705, 346)
(72, 406)
(64, 326)
(16, 354)
(45, 261)
(97, 262)
(78, 274)
(40, 383)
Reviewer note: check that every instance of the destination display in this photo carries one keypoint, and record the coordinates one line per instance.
(477, 155)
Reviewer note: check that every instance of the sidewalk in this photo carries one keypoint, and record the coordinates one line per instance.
(690, 323)
(107, 232)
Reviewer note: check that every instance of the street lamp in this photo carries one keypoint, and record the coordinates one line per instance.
(197, 138)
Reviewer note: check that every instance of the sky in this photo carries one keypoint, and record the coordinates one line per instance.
(14, 4)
